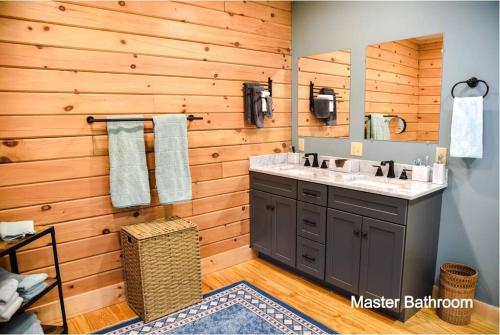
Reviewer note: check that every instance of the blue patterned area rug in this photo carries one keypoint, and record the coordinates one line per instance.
(240, 308)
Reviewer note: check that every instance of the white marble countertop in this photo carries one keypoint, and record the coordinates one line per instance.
(393, 187)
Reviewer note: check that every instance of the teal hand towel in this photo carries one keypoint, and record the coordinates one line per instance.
(173, 178)
(33, 291)
(30, 281)
(129, 179)
(379, 127)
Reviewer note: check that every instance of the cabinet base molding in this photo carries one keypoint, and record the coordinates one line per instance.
(113, 294)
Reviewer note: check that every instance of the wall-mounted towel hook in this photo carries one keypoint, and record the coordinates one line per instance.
(472, 82)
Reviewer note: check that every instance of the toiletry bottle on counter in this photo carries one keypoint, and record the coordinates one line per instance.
(293, 157)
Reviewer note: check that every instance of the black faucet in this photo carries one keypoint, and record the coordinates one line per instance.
(315, 161)
(390, 173)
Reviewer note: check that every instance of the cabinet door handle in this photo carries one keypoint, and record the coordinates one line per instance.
(364, 234)
(310, 223)
(356, 232)
(310, 193)
(309, 258)
(271, 207)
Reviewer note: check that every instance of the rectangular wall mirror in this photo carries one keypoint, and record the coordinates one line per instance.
(403, 89)
(323, 94)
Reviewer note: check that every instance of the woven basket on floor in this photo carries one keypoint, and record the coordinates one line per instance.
(161, 261)
(456, 281)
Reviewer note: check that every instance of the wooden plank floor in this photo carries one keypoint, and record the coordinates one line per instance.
(321, 304)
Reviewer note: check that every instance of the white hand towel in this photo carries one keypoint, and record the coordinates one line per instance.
(13, 307)
(8, 288)
(263, 96)
(467, 128)
(328, 97)
(18, 229)
(7, 306)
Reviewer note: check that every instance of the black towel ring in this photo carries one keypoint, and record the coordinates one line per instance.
(472, 82)
(403, 129)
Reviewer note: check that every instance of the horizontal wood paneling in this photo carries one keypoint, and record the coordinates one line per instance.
(329, 70)
(429, 82)
(404, 78)
(62, 61)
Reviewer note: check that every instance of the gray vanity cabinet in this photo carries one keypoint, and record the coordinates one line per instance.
(366, 244)
(261, 221)
(273, 218)
(381, 266)
(284, 223)
(343, 249)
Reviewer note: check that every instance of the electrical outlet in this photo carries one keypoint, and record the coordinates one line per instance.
(443, 153)
(356, 149)
(301, 144)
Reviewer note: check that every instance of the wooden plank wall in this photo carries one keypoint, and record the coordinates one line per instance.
(398, 83)
(62, 61)
(430, 64)
(332, 70)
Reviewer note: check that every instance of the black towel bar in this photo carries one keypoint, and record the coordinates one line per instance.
(91, 119)
(472, 82)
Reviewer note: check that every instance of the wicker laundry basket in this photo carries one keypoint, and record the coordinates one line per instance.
(161, 261)
(456, 281)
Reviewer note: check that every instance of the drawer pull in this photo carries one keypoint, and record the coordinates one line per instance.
(309, 258)
(310, 223)
(310, 193)
(356, 232)
(270, 207)
(364, 234)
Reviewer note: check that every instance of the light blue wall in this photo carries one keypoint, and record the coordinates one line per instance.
(470, 218)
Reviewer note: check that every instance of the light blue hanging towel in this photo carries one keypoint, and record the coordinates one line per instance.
(173, 178)
(379, 127)
(129, 178)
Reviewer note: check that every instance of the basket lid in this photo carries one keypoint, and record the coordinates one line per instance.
(157, 227)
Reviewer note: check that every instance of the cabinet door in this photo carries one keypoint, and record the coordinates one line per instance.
(261, 221)
(284, 229)
(343, 249)
(381, 259)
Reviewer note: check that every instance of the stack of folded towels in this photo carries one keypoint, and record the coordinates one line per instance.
(17, 289)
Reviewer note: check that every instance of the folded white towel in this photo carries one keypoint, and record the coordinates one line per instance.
(18, 229)
(328, 97)
(263, 96)
(5, 307)
(8, 288)
(7, 314)
(467, 128)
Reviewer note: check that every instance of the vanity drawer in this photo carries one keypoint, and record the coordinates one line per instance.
(311, 221)
(368, 204)
(273, 184)
(312, 193)
(311, 257)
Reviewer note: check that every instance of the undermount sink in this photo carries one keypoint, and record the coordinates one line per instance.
(385, 184)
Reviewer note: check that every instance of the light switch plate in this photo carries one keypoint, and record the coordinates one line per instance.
(301, 144)
(443, 152)
(356, 149)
